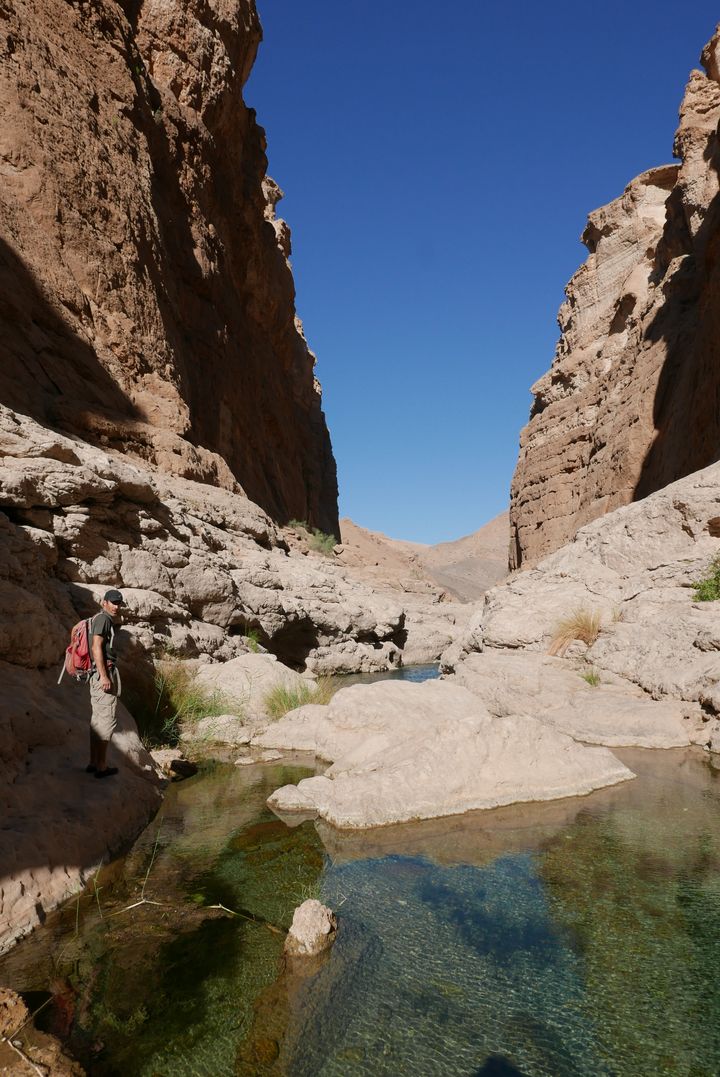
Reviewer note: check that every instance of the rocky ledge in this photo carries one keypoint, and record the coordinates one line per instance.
(416, 751)
(200, 567)
(511, 722)
(59, 824)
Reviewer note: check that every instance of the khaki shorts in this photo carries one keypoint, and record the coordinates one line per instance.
(104, 705)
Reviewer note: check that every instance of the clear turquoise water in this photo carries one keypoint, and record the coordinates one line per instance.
(415, 674)
(572, 938)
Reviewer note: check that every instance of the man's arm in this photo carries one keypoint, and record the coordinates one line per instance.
(99, 659)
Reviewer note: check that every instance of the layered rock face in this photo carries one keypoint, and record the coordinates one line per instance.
(632, 400)
(146, 299)
(199, 566)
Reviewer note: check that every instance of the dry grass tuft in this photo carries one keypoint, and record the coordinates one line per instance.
(583, 625)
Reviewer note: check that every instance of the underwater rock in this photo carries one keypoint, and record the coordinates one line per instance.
(173, 763)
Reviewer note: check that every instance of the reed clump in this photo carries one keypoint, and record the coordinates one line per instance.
(282, 698)
(181, 700)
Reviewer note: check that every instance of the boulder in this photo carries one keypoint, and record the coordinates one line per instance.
(404, 751)
(312, 931)
(173, 763)
(220, 729)
(247, 681)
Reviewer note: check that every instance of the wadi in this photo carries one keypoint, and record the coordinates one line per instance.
(507, 744)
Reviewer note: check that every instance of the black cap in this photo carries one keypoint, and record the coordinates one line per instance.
(114, 596)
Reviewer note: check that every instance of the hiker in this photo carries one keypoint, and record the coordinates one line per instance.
(104, 684)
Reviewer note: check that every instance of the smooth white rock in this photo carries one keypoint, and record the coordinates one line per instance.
(405, 751)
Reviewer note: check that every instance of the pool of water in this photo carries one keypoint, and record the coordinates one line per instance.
(575, 937)
(428, 672)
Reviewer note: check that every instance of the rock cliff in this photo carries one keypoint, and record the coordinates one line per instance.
(643, 668)
(159, 415)
(632, 400)
(147, 303)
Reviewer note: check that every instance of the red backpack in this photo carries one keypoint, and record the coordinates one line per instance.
(78, 661)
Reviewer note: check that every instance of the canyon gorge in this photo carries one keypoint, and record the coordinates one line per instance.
(162, 431)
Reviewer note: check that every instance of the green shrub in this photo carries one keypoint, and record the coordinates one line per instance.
(317, 540)
(322, 543)
(282, 699)
(708, 589)
(592, 677)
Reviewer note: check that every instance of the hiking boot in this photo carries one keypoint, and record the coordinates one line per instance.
(107, 773)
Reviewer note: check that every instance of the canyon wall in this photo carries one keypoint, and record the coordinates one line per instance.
(159, 414)
(146, 300)
(631, 402)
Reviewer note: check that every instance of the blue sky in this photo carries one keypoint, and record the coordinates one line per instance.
(438, 165)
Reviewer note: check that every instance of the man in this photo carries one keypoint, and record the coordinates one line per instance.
(104, 682)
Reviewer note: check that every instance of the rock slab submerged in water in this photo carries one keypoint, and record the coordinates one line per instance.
(405, 751)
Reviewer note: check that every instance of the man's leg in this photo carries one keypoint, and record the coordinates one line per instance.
(102, 725)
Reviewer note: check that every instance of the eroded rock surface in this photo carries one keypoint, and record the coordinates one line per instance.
(630, 402)
(59, 822)
(199, 566)
(404, 751)
(513, 722)
(657, 654)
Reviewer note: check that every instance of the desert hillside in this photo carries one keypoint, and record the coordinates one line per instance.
(464, 569)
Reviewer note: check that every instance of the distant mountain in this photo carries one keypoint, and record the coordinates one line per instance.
(464, 568)
(470, 566)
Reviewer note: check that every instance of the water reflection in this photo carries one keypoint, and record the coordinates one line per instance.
(574, 937)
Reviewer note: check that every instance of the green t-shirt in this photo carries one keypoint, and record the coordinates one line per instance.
(102, 625)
